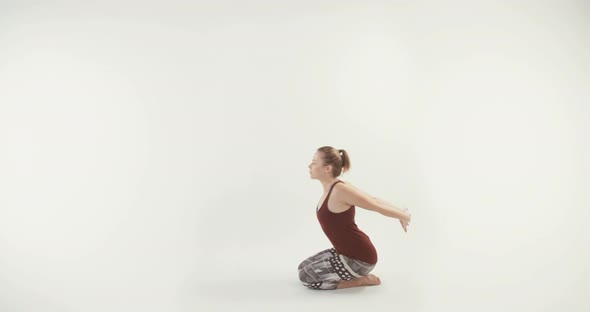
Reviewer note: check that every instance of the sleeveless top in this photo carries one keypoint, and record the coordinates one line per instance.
(344, 234)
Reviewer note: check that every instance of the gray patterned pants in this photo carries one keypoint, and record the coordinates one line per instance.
(327, 268)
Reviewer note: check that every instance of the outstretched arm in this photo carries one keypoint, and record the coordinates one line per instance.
(405, 222)
(354, 196)
(390, 206)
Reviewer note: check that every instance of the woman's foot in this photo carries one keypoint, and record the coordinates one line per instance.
(367, 280)
(372, 280)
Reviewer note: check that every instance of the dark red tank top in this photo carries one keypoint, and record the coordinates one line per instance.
(344, 234)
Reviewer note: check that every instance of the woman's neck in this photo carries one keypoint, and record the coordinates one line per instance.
(327, 183)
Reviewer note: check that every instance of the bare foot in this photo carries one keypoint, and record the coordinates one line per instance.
(367, 280)
(372, 279)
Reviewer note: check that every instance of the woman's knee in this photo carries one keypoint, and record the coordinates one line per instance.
(301, 265)
(305, 277)
(304, 263)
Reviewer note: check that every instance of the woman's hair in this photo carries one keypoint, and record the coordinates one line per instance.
(336, 158)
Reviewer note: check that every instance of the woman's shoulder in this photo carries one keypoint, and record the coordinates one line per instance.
(350, 194)
(345, 186)
(347, 189)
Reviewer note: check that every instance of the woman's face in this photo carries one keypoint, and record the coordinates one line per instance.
(316, 166)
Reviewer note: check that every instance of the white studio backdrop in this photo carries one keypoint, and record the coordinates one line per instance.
(151, 150)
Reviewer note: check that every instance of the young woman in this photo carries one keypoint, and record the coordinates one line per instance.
(353, 255)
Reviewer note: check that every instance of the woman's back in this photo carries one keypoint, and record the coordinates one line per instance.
(343, 233)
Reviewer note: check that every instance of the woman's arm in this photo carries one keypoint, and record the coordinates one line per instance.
(390, 206)
(354, 196)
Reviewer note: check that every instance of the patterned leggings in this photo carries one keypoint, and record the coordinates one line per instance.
(327, 268)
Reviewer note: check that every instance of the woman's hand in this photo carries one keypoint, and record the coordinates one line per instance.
(405, 222)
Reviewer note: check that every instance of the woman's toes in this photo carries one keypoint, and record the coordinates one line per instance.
(373, 280)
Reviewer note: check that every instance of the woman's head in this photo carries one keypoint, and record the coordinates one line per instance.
(330, 161)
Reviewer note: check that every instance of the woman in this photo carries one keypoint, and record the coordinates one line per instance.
(353, 255)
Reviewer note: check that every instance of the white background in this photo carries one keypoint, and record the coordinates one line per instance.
(154, 156)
